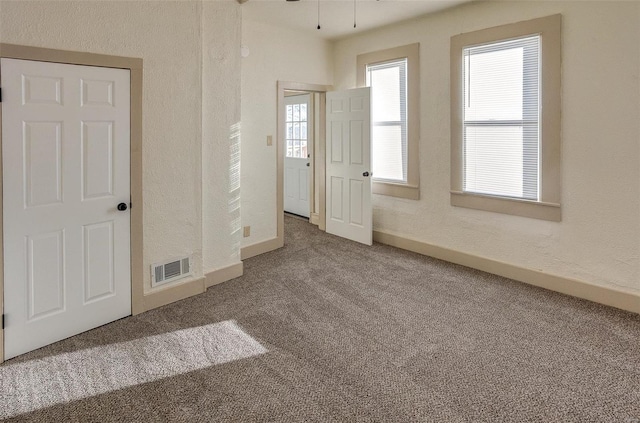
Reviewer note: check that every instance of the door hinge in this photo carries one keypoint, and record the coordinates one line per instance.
(0, 95)
(3, 321)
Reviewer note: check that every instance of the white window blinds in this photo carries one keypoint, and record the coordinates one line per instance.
(388, 82)
(501, 118)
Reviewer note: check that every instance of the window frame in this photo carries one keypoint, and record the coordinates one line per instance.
(548, 205)
(411, 52)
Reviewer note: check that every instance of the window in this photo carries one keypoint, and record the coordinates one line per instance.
(505, 119)
(388, 82)
(296, 126)
(501, 111)
(393, 76)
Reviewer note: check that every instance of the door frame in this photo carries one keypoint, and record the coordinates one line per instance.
(134, 65)
(318, 167)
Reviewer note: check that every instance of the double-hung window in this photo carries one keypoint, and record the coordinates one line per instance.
(505, 119)
(388, 82)
(393, 76)
(501, 118)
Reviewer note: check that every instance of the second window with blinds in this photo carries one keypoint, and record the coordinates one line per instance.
(393, 76)
(505, 119)
(501, 118)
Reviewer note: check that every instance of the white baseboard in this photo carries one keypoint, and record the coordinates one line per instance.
(223, 274)
(260, 248)
(315, 219)
(618, 298)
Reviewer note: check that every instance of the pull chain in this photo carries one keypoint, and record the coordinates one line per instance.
(318, 14)
(354, 13)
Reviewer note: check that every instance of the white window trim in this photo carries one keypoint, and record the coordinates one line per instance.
(410, 189)
(548, 208)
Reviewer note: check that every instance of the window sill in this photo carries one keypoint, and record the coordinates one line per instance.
(516, 207)
(411, 192)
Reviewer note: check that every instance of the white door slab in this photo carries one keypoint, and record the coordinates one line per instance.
(299, 143)
(348, 165)
(296, 186)
(65, 155)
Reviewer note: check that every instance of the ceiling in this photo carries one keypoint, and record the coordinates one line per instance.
(336, 16)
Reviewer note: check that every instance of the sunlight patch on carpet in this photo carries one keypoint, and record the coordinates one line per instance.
(37, 384)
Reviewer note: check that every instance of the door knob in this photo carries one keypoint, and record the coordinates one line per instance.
(122, 206)
(365, 174)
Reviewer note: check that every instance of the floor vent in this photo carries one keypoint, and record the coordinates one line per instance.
(170, 271)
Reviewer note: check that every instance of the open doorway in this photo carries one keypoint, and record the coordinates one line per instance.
(342, 156)
(300, 133)
(301, 187)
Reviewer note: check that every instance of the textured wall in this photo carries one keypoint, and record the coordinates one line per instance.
(221, 33)
(274, 54)
(598, 238)
(168, 36)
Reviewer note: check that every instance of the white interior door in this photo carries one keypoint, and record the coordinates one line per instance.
(298, 142)
(348, 165)
(65, 157)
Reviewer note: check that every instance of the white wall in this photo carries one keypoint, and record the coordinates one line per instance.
(274, 54)
(191, 101)
(598, 238)
(221, 31)
(179, 50)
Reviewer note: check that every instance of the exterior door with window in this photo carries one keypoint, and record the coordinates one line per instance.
(298, 148)
(66, 193)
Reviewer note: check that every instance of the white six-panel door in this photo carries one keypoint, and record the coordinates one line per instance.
(65, 155)
(298, 147)
(348, 165)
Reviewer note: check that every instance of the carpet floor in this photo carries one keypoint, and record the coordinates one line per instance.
(327, 330)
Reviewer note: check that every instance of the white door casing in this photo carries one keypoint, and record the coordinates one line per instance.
(65, 148)
(298, 150)
(348, 165)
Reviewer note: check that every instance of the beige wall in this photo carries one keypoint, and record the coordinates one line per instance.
(221, 127)
(185, 46)
(192, 99)
(274, 54)
(599, 236)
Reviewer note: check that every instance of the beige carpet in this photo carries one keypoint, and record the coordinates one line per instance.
(328, 330)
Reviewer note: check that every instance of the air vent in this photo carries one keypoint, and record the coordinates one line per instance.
(170, 271)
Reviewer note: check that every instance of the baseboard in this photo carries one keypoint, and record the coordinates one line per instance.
(260, 248)
(223, 274)
(172, 294)
(315, 219)
(1, 346)
(624, 300)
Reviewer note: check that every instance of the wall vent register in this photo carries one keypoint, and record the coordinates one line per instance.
(170, 271)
